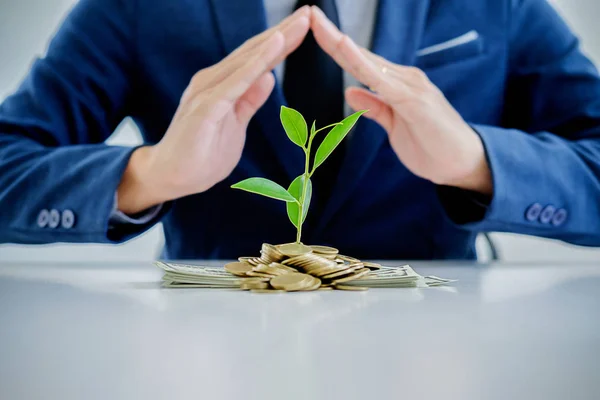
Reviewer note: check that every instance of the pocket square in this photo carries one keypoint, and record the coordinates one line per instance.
(449, 44)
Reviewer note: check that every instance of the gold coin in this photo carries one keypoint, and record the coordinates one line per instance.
(314, 286)
(292, 282)
(266, 269)
(293, 249)
(347, 258)
(255, 279)
(264, 259)
(305, 258)
(298, 261)
(238, 268)
(254, 285)
(271, 291)
(319, 259)
(356, 275)
(351, 268)
(324, 250)
(272, 253)
(351, 288)
(259, 274)
(291, 260)
(372, 266)
(311, 262)
(319, 273)
(283, 267)
(324, 288)
(254, 261)
(313, 270)
(327, 270)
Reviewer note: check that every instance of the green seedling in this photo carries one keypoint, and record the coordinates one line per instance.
(299, 193)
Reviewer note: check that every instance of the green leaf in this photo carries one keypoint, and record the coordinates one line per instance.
(295, 189)
(335, 137)
(313, 129)
(265, 188)
(295, 126)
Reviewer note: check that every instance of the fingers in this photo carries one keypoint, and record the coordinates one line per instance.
(301, 13)
(254, 98)
(349, 56)
(294, 35)
(294, 29)
(238, 83)
(379, 111)
(329, 38)
(411, 76)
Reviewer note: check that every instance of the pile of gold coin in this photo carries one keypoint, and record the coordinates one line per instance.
(295, 267)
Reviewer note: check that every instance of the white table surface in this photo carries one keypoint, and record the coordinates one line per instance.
(92, 331)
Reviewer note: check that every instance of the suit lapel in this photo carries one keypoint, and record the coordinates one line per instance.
(396, 36)
(238, 21)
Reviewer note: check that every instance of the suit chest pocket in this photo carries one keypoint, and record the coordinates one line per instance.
(459, 48)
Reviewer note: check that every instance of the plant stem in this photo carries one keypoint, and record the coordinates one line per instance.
(304, 188)
(328, 126)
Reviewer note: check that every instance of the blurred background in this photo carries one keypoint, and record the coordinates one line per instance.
(27, 25)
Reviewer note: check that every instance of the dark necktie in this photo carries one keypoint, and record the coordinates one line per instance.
(313, 85)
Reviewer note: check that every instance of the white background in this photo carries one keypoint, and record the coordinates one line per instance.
(26, 26)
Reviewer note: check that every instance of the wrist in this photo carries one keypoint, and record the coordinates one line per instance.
(140, 188)
(480, 180)
(478, 176)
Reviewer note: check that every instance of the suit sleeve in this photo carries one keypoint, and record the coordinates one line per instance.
(545, 163)
(57, 178)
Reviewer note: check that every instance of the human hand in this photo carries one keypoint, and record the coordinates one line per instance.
(205, 140)
(425, 131)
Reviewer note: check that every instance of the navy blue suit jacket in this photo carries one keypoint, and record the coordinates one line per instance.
(523, 84)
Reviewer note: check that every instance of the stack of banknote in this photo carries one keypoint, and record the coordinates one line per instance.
(295, 267)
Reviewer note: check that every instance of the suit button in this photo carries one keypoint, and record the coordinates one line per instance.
(68, 219)
(54, 219)
(42, 219)
(533, 212)
(547, 215)
(559, 217)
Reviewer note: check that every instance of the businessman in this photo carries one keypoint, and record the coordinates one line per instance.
(484, 116)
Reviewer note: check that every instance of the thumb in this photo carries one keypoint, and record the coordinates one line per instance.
(379, 110)
(254, 98)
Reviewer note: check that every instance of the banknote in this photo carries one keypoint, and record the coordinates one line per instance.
(177, 275)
